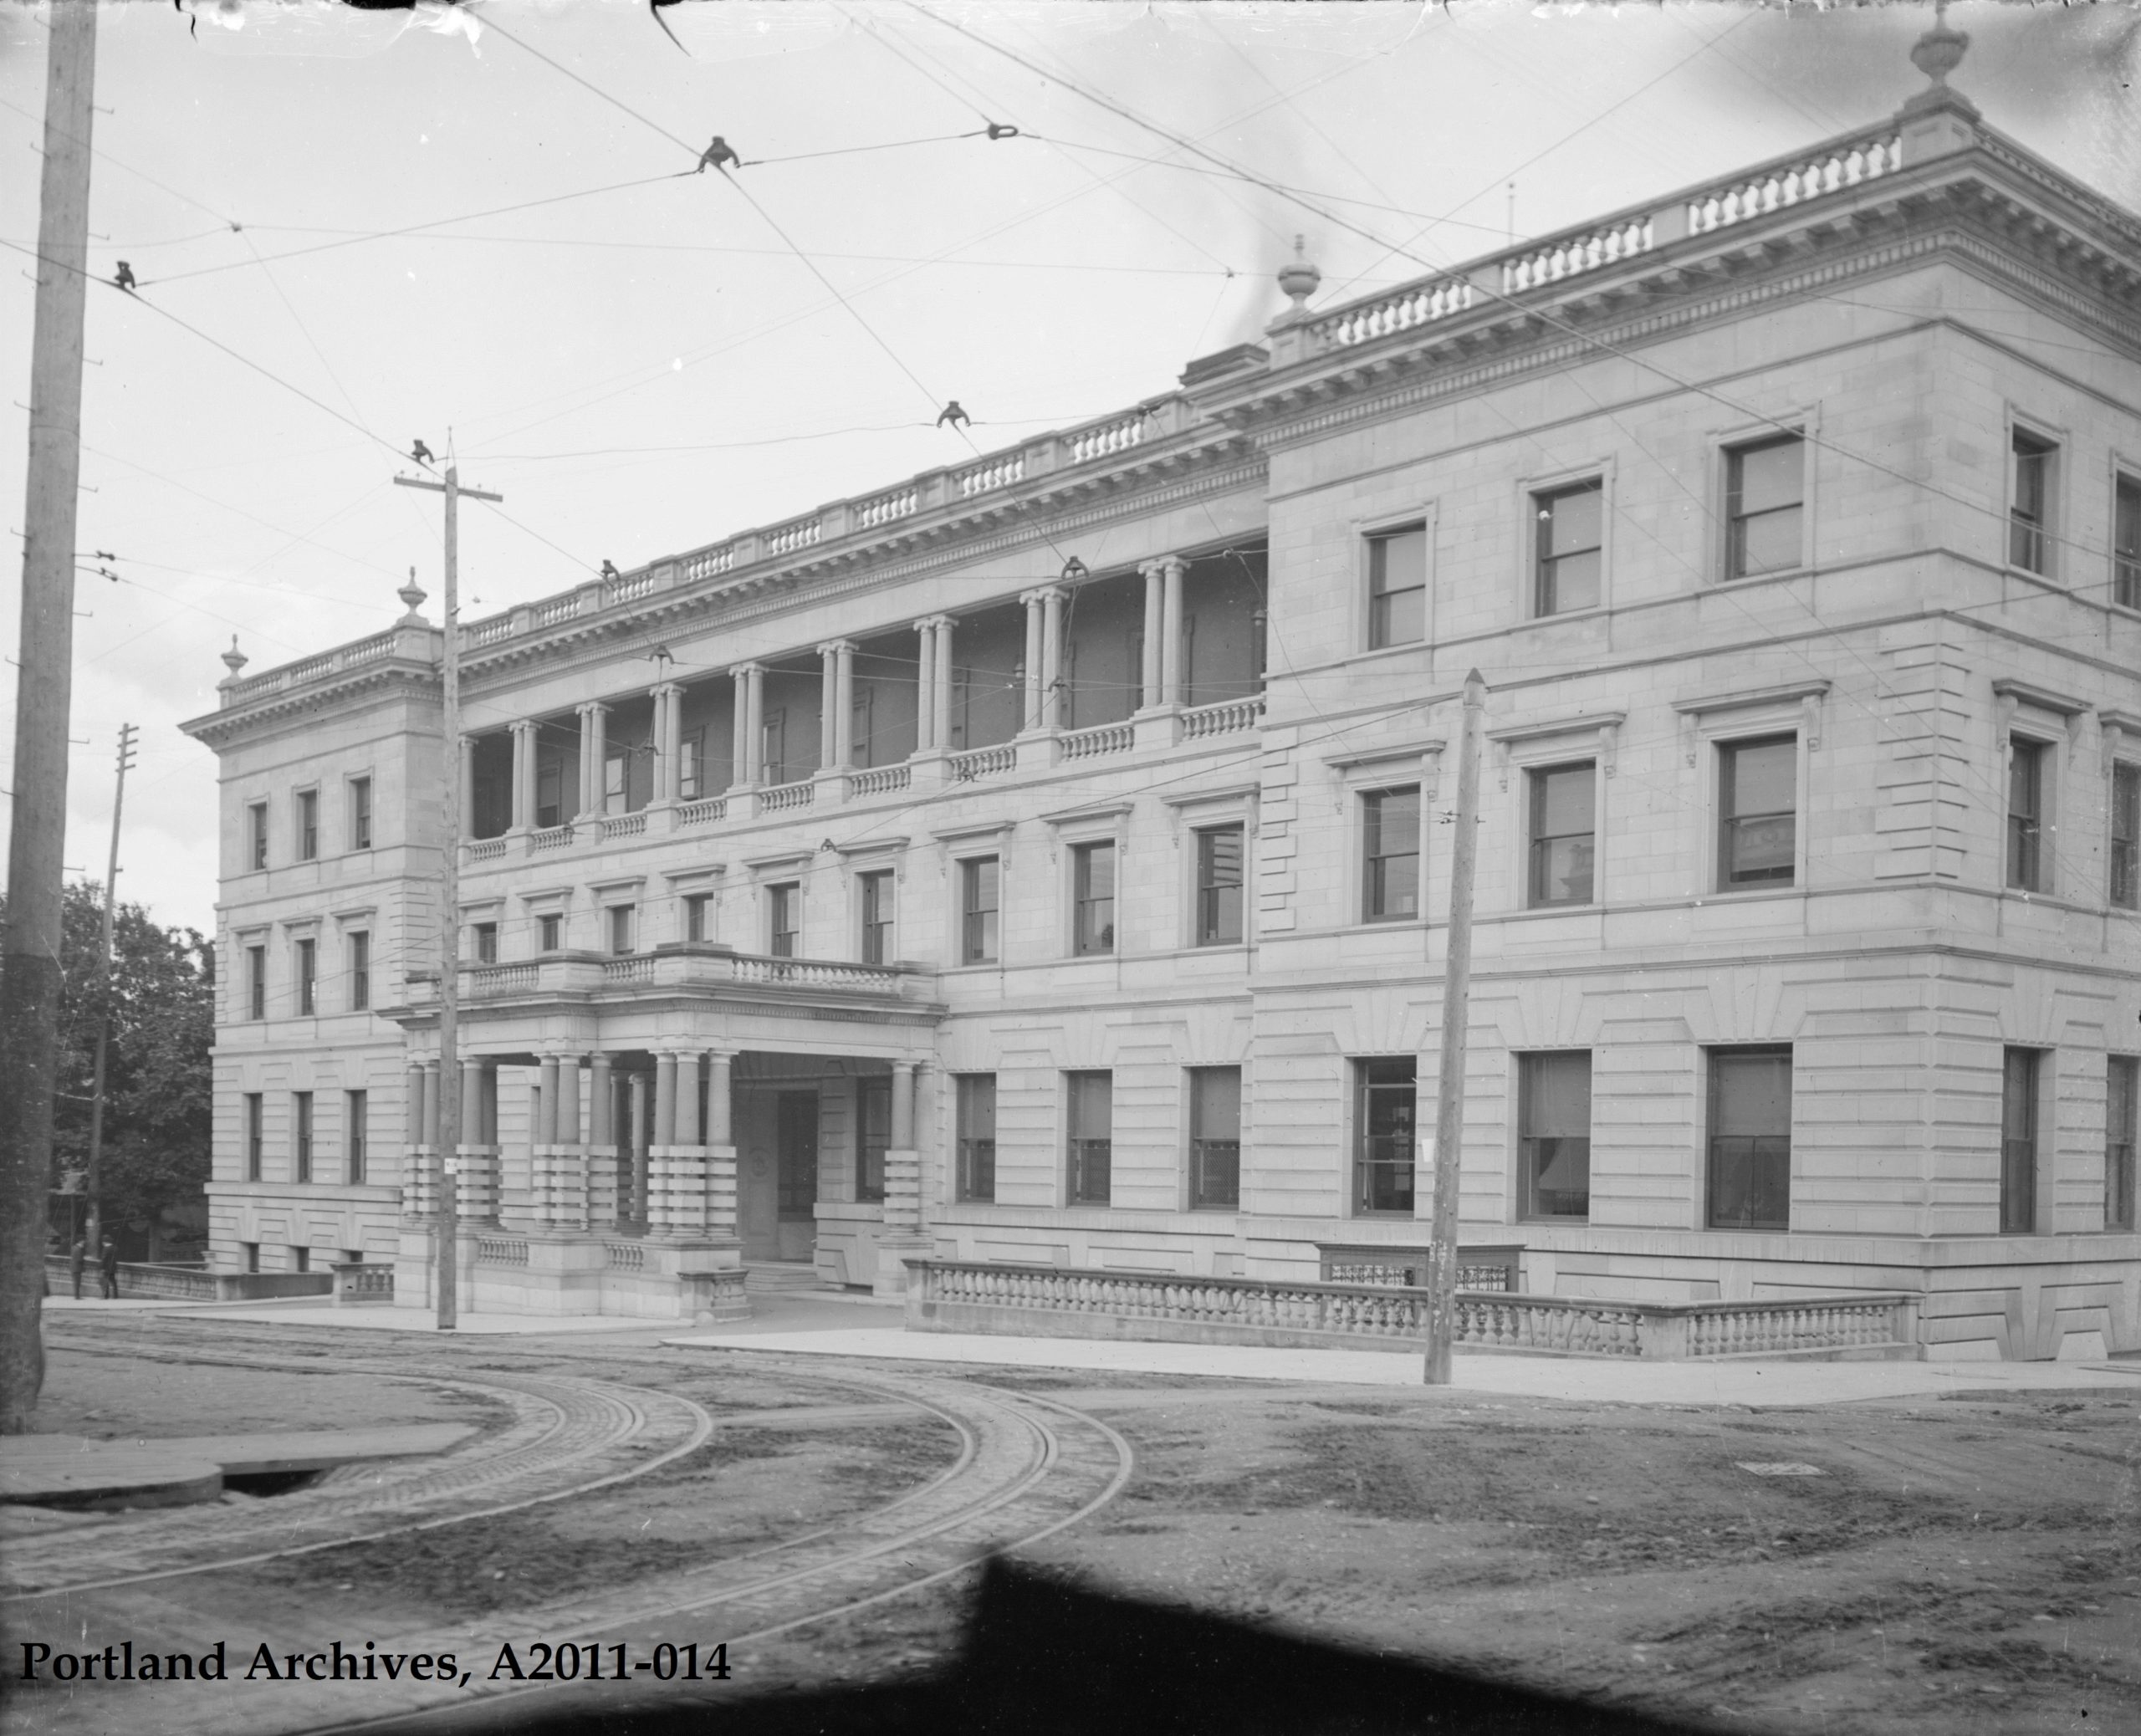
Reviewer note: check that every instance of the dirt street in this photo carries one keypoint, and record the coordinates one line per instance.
(1972, 1563)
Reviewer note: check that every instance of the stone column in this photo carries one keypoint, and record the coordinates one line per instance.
(639, 1109)
(1051, 656)
(941, 726)
(1030, 717)
(722, 1224)
(925, 686)
(1171, 665)
(543, 1157)
(523, 775)
(570, 1176)
(686, 1156)
(750, 722)
(594, 751)
(419, 1176)
(476, 1159)
(1156, 630)
(666, 741)
(432, 1099)
(468, 788)
(902, 1238)
(601, 1144)
(843, 704)
(660, 1145)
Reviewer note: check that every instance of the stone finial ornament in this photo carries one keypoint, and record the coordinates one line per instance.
(412, 596)
(234, 660)
(1940, 50)
(1299, 279)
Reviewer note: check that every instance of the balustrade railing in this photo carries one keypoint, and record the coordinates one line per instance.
(489, 979)
(489, 632)
(995, 473)
(1224, 719)
(884, 508)
(1580, 253)
(625, 825)
(782, 798)
(501, 1251)
(883, 780)
(1101, 738)
(551, 838)
(631, 587)
(1825, 173)
(803, 533)
(815, 974)
(557, 609)
(1118, 435)
(984, 762)
(638, 969)
(710, 562)
(1417, 304)
(367, 650)
(703, 813)
(623, 1256)
(484, 849)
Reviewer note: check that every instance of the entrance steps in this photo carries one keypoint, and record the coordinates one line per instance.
(783, 1276)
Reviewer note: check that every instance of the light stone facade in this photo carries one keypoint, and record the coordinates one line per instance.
(1165, 623)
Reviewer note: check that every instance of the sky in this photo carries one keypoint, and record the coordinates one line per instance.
(483, 227)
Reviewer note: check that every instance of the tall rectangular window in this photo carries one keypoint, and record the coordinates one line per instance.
(873, 1133)
(307, 977)
(1092, 877)
(1090, 1121)
(1553, 1128)
(1215, 1136)
(487, 942)
(1391, 857)
(550, 796)
(356, 1119)
(1398, 587)
(977, 1135)
(1385, 1101)
(1757, 807)
(360, 814)
(784, 918)
(1563, 832)
(1219, 886)
(301, 1135)
(2122, 1127)
(2026, 814)
(549, 932)
(623, 926)
(307, 824)
(616, 768)
(773, 745)
(2125, 887)
(877, 888)
(255, 1134)
(2029, 524)
(2126, 545)
(1750, 1139)
(980, 891)
(256, 835)
(691, 766)
(698, 910)
(360, 972)
(1569, 548)
(1764, 491)
(256, 982)
(2020, 1068)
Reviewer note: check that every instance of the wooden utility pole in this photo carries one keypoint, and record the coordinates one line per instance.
(1450, 1086)
(29, 977)
(92, 1183)
(448, 1223)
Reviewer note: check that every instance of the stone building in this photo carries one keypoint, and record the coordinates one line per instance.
(1044, 861)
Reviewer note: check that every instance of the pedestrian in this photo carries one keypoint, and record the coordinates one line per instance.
(77, 1258)
(111, 1257)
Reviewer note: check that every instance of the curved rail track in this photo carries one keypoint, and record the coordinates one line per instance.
(1027, 1466)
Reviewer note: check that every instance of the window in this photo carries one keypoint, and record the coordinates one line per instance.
(614, 799)
(1569, 548)
(1215, 1136)
(356, 1106)
(980, 887)
(1757, 805)
(549, 932)
(2122, 1118)
(360, 972)
(1398, 587)
(784, 917)
(1764, 491)
(2026, 814)
(1218, 885)
(300, 1259)
(307, 977)
(2028, 514)
(256, 1133)
(2126, 545)
(1553, 1128)
(698, 908)
(1382, 1140)
(256, 835)
(773, 745)
(2125, 888)
(2018, 1141)
(878, 916)
(1563, 832)
(691, 766)
(550, 796)
(977, 1135)
(307, 824)
(251, 1252)
(1090, 1122)
(487, 942)
(1750, 1139)
(1392, 822)
(1092, 877)
(256, 982)
(301, 1135)
(873, 1132)
(621, 925)
(360, 813)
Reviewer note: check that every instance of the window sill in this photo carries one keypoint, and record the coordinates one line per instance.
(1742, 895)
(1723, 580)
(1560, 615)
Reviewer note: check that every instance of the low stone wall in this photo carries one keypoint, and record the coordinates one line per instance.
(360, 1285)
(187, 1283)
(965, 1296)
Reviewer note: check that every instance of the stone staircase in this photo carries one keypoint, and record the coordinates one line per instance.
(782, 1275)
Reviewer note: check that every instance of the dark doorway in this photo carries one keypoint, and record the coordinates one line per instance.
(796, 1135)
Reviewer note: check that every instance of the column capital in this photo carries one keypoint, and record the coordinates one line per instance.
(588, 707)
(749, 666)
(665, 689)
(1042, 593)
(932, 622)
(832, 646)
